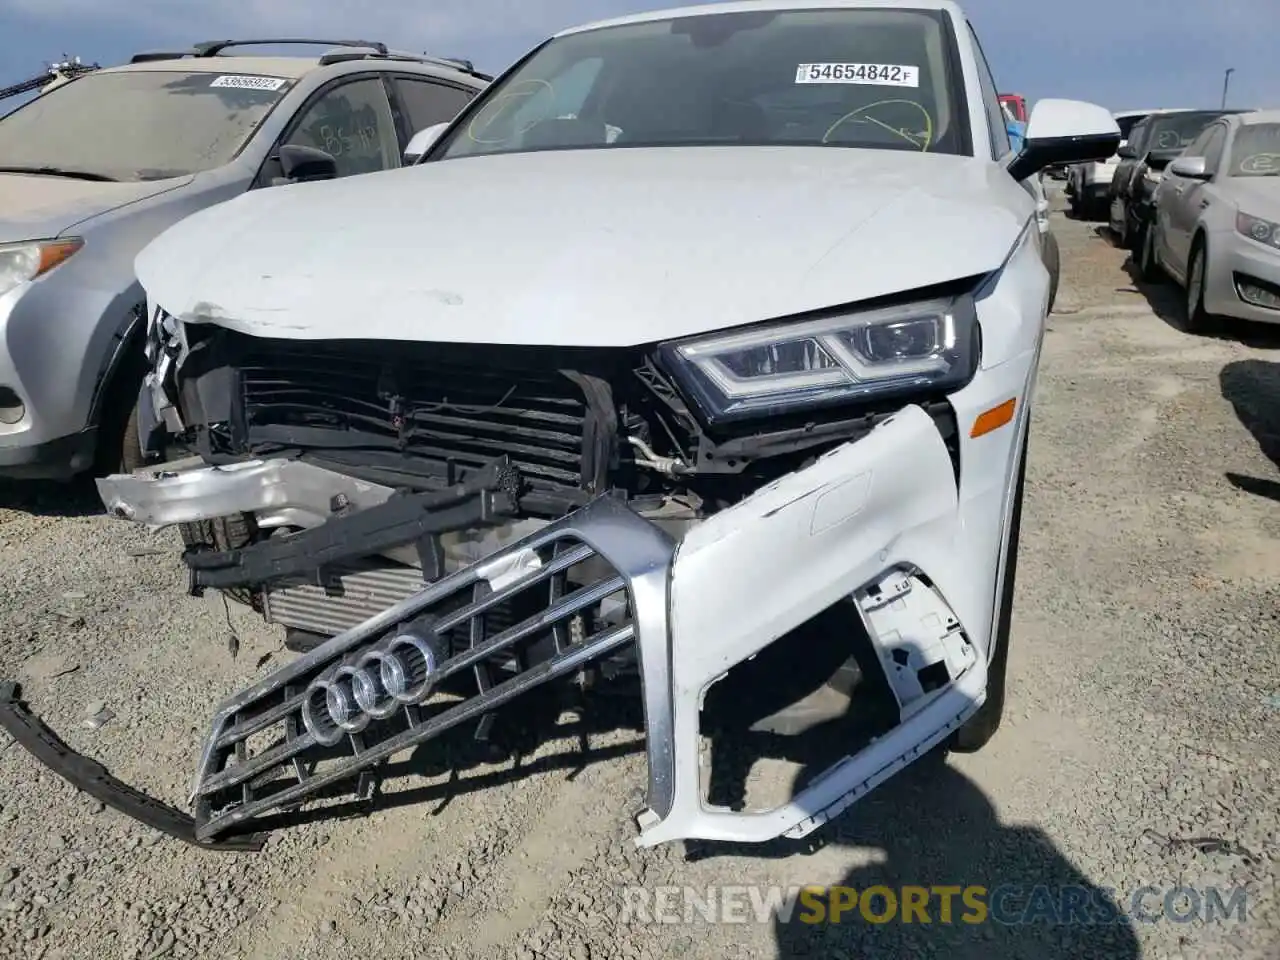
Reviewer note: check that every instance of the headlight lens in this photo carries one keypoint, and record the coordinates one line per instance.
(786, 367)
(20, 262)
(1255, 228)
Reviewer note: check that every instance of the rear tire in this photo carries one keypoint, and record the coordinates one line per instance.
(982, 726)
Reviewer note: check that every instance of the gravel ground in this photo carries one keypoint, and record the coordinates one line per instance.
(1143, 714)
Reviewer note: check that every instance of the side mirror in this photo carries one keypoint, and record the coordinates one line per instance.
(1065, 131)
(1126, 152)
(1193, 168)
(299, 163)
(422, 142)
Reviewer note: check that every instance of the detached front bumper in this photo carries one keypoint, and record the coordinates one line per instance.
(870, 522)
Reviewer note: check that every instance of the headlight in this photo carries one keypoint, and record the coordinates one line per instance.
(1255, 228)
(839, 358)
(20, 262)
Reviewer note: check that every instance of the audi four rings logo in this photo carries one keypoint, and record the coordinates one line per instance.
(400, 673)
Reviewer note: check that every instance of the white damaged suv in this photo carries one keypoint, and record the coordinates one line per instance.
(700, 347)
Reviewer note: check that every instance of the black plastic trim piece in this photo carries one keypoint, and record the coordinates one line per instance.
(94, 779)
(483, 500)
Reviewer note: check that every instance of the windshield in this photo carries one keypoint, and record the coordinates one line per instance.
(1176, 131)
(1255, 152)
(138, 125)
(840, 78)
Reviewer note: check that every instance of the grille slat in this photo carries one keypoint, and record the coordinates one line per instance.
(238, 782)
(440, 407)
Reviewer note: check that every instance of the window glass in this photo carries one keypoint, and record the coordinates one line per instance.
(1255, 152)
(864, 77)
(998, 126)
(353, 124)
(429, 103)
(1217, 140)
(1171, 133)
(141, 124)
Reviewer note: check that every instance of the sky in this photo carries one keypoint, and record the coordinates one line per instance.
(1122, 54)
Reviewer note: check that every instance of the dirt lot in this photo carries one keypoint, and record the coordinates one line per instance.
(1141, 745)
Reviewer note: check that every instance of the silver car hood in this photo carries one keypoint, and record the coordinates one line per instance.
(1258, 196)
(34, 207)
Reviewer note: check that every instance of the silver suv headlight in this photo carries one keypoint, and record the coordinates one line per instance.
(833, 358)
(21, 262)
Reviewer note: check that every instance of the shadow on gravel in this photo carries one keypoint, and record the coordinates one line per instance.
(1166, 301)
(934, 828)
(50, 498)
(1252, 387)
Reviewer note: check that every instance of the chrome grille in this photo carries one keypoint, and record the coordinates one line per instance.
(261, 756)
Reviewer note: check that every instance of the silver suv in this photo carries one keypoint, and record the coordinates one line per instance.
(96, 167)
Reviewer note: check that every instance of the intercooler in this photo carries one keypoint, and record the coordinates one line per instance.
(351, 596)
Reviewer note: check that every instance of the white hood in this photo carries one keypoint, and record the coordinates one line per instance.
(586, 248)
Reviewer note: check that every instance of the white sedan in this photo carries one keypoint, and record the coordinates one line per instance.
(704, 339)
(1216, 224)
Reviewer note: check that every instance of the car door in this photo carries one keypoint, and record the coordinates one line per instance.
(1124, 170)
(1170, 216)
(1190, 197)
(426, 101)
(350, 119)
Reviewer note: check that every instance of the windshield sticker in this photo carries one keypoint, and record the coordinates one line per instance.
(248, 83)
(872, 74)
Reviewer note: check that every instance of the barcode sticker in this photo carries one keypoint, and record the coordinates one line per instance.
(248, 83)
(871, 74)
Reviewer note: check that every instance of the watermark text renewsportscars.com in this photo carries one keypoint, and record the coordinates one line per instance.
(1007, 904)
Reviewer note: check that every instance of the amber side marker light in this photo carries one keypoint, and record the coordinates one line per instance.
(993, 419)
(55, 252)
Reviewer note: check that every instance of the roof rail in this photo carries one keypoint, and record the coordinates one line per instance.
(152, 55)
(465, 64)
(211, 48)
(344, 55)
(458, 63)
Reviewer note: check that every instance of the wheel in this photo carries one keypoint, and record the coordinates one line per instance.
(1075, 206)
(1198, 319)
(1122, 229)
(982, 726)
(1149, 269)
(119, 446)
(1053, 262)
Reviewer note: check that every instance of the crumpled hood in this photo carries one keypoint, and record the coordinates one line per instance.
(34, 207)
(586, 247)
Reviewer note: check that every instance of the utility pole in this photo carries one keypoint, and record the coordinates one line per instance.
(1226, 80)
